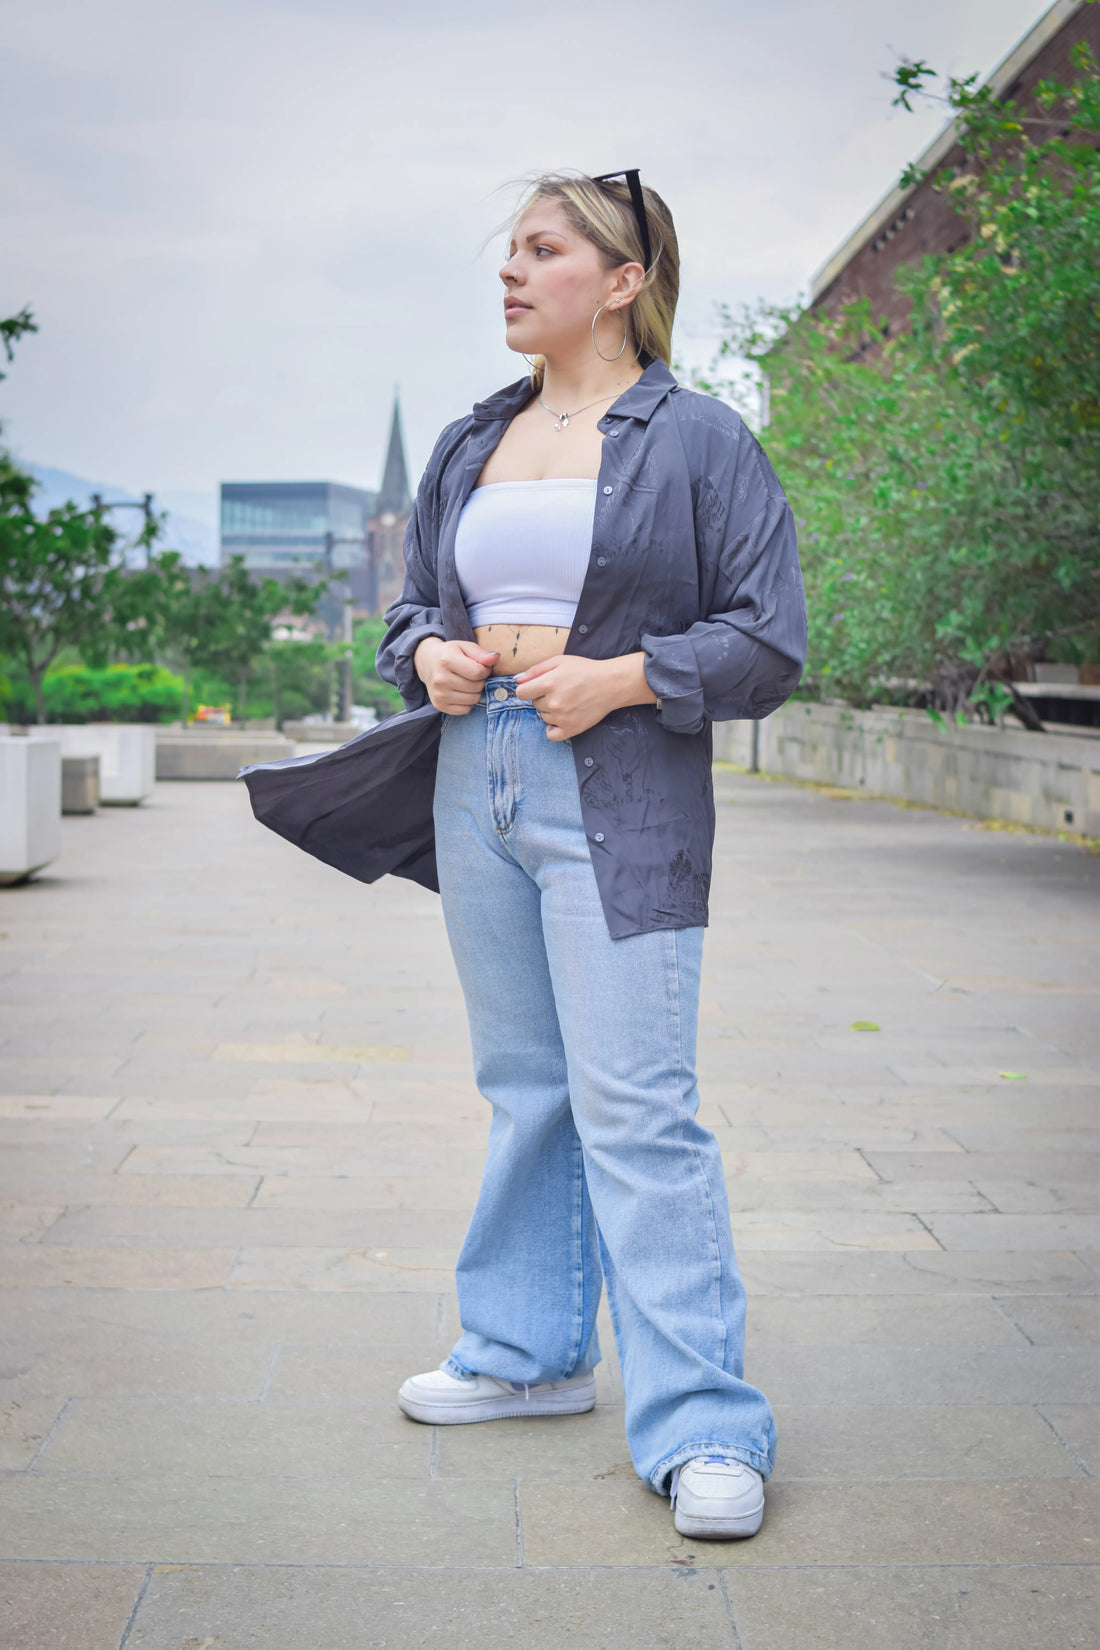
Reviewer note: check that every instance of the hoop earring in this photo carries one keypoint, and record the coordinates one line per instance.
(596, 346)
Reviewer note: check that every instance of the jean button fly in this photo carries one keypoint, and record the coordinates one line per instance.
(500, 693)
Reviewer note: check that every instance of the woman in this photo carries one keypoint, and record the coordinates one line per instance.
(599, 564)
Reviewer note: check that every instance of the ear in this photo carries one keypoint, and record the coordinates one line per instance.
(627, 285)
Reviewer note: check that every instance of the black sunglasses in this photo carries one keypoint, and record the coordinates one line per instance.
(637, 201)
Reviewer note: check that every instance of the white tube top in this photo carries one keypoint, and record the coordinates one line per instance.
(522, 549)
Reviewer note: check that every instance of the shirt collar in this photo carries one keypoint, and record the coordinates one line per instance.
(639, 401)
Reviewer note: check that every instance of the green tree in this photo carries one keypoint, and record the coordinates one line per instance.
(232, 618)
(946, 480)
(59, 578)
(301, 678)
(368, 688)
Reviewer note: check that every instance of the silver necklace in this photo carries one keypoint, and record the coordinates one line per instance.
(562, 418)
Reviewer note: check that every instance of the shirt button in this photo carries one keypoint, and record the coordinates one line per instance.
(601, 561)
(588, 761)
(609, 490)
(583, 628)
(500, 693)
(598, 837)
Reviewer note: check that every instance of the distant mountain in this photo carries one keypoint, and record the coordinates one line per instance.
(195, 538)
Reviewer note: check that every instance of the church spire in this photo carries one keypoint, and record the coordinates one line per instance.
(394, 495)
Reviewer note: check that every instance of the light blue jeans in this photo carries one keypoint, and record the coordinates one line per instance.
(585, 1048)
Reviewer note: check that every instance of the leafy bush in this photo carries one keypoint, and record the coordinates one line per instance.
(77, 693)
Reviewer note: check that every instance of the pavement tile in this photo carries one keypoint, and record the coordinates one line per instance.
(813, 1276)
(427, 1192)
(67, 1606)
(891, 1441)
(110, 1364)
(24, 1424)
(1041, 1139)
(792, 1165)
(274, 1160)
(569, 1448)
(26, 1222)
(323, 1372)
(1045, 1607)
(1078, 1426)
(266, 1227)
(49, 1106)
(109, 1133)
(225, 1520)
(1051, 1320)
(868, 1374)
(92, 1190)
(1028, 1232)
(1043, 1167)
(991, 1076)
(119, 1266)
(779, 1228)
(246, 1440)
(866, 1197)
(219, 1318)
(1047, 1521)
(892, 1321)
(1045, 1196)
(388, 1608)
(46, 1156)
(257, 1267)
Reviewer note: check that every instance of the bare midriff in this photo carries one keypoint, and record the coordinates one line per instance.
(521, 645)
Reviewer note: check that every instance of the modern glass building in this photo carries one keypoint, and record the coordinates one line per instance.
(321, 528)
(284, 526)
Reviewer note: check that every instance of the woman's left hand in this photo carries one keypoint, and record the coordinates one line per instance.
(572, 693)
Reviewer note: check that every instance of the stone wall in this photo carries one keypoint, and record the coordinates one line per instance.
(1050, 780)
(209, 753)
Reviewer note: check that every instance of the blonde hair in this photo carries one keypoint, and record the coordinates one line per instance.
(603, 214)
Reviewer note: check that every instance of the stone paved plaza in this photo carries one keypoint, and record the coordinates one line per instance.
(240, 1143)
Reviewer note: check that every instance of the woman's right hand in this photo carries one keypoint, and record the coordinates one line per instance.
(453, 673)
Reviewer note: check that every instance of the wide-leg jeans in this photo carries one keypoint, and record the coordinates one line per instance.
(585, 1048)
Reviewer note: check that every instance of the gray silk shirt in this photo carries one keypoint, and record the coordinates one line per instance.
(694, 561)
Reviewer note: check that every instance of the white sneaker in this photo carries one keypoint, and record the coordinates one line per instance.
(441, 1399)
(717, 1498)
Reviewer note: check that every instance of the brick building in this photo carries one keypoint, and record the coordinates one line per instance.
(387, 522)
(907, 223)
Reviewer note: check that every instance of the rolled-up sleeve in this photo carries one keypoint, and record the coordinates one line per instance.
(746, 657)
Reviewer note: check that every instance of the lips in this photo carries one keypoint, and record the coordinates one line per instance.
(512, 306)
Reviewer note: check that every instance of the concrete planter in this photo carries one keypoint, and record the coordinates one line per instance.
(79, 784)
(127, 757)
(30, 806)
(321, 733)
(212, 753)
(1051, 780)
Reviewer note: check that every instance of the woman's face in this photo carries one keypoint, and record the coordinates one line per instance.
(555, 281)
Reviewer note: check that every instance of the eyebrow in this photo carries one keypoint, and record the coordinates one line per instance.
(541, 235)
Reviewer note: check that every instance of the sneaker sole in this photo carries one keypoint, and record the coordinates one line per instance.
(578, 1401)
(720, 1529)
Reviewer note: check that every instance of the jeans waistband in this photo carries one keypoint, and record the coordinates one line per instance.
(499, 693)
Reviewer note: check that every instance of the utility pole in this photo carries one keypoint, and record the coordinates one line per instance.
(342, 706)
(145, 505)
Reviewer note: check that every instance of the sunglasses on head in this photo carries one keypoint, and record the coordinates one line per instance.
(637, 201)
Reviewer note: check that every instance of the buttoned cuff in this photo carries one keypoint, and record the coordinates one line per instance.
(671, 669)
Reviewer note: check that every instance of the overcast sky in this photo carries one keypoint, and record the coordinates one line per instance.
(241, 222)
